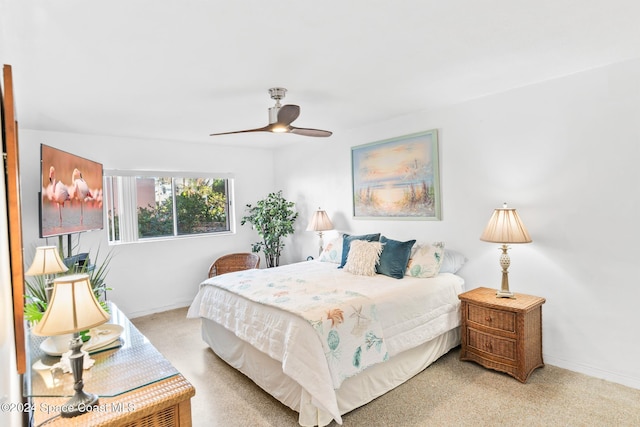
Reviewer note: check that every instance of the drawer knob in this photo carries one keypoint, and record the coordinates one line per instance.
(488, 346)
(488, 318)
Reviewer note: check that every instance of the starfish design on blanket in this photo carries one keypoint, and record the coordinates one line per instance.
(362, 321)
(357, 313)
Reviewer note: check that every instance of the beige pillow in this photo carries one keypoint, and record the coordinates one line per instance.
(363, 257)
(425, 260)
(333, 251)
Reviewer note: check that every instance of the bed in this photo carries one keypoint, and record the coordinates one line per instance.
(323, 340)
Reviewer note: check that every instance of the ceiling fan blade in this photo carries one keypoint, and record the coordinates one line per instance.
(288, 113)
(310, 132)
(262, 129)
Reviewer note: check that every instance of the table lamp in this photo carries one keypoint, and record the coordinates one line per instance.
(505, 227)
(46, 261)
(73, 308)
(320, 222)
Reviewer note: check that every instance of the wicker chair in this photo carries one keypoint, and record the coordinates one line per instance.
(234, 262)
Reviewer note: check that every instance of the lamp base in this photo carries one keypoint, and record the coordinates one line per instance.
(505, 294)
(504, 291)
(321, 244)
(80, 403)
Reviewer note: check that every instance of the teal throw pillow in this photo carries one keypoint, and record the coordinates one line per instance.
(394, 257)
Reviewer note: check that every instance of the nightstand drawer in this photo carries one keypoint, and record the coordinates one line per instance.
(502, 347)
(503, 320)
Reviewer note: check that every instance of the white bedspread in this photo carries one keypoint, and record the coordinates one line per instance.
(345, 321)
(410, 311)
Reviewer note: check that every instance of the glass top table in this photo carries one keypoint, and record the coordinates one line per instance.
(134, 358)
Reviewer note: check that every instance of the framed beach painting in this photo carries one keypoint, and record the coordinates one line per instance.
(397, 178)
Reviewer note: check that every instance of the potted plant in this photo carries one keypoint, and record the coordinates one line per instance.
(273, 219)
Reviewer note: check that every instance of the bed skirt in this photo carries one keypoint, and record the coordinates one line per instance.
(353, 393)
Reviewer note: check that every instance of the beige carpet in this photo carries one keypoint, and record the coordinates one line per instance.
(448, 393)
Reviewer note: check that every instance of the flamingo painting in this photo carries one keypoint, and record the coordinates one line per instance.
(80, 191)
(57, 192)
(82, 196)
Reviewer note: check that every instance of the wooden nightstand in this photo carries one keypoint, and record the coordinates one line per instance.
(504, 334)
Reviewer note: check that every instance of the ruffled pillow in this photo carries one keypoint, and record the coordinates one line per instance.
(346, 244)
(363, 257)
(426, 260)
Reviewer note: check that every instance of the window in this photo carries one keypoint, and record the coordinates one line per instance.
(157, 205)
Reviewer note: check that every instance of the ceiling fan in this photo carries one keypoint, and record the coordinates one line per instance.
(281, 117)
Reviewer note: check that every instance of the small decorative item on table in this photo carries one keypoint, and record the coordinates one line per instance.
(503, 334)
(102, 338)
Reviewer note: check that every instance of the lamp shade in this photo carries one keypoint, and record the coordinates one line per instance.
(505, 226)
(320, 222)
(73, 307)
(46, 261)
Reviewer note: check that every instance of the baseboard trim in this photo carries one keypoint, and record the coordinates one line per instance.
(593, 371)
(182, 304)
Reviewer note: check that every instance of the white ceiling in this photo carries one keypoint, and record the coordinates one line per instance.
(181, 70)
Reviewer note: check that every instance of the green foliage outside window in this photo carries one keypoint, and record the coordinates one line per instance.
(201, 207)
(156, 221)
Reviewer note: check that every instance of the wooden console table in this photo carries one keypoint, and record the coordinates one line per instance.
(136, 385)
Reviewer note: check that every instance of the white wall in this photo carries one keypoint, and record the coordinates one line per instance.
(151, 276)
(565, 154)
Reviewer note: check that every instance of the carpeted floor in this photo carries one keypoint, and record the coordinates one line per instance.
(448, 393)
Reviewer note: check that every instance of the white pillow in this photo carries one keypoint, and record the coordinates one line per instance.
(452, 261)
(363, 257)
(332, 252)
(425, 260)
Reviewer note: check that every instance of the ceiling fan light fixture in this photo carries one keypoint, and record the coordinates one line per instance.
(281, 117)
(278, 128)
